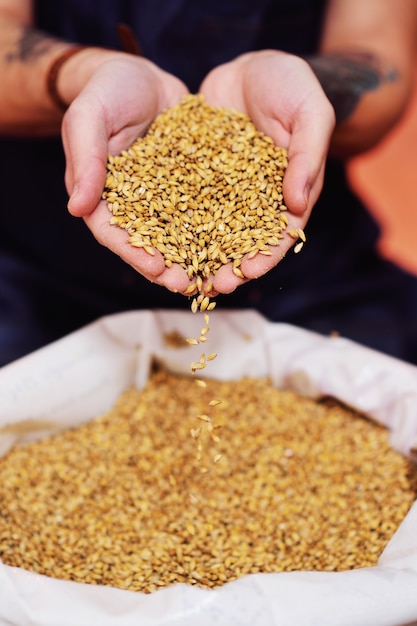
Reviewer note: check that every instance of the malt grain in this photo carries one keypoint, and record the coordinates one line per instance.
(293, 484)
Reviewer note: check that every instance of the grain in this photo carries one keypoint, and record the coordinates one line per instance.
(203, 187)
(293, 484)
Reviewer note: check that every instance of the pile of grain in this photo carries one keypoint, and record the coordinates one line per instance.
(120, 501)
(203, 187)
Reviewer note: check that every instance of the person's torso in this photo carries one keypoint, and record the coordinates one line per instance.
(188, 37)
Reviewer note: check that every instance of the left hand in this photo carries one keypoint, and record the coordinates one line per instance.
(284, 99)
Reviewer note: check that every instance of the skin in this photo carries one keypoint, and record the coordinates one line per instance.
(113, 97)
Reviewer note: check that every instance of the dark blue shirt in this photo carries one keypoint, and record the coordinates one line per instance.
(188, 37)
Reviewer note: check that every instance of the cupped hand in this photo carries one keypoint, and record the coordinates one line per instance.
(284, 99)
(118, 102)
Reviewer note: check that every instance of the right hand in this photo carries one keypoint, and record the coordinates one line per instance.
(121, 96)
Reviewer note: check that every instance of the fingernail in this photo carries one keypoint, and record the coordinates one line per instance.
(73, 195)
(306, 194)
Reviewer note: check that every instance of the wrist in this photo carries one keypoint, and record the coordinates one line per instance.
(70, 71)
(54, 73)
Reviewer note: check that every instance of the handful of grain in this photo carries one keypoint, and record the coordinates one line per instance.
(203, 186)
(302, 485)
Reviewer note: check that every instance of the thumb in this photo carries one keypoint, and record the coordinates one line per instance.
(307, 154)
(86, 151)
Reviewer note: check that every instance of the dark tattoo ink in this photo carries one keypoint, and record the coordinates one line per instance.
(345, 78)
(31, 45)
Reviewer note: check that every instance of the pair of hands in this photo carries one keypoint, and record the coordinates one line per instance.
(124, 94)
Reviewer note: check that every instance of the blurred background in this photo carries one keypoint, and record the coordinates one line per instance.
(386, 179)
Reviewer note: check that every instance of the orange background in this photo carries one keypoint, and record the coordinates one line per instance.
(386, 179)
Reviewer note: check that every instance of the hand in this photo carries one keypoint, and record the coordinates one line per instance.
(284, 99)
(120, 99)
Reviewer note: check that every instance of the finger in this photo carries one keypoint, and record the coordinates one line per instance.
(225, 280)
(85, 143)
(303, 178)
(174, 278)
(307, 148)
(307, 152)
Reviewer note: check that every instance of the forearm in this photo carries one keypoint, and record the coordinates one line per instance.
(366, 67)
(26, 56)
(368, 95)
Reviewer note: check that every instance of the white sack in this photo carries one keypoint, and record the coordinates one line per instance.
(80, 377)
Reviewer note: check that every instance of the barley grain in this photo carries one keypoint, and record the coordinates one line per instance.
(300, 485)
(206, 178)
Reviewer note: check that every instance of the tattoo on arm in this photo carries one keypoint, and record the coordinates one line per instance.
(345, 78)
(31, 45)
